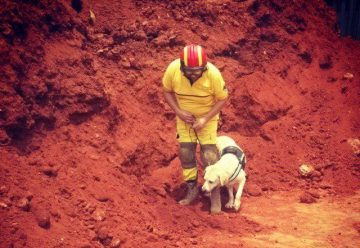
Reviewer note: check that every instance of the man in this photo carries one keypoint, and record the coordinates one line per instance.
(195, 90)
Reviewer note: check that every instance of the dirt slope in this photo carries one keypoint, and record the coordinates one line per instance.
(88, 156)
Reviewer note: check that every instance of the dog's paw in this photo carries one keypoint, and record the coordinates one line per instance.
(237, 205)
(229, 205)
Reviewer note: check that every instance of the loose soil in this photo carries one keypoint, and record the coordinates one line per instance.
(88, 151)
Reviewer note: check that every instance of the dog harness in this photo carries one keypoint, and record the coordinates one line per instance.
(240, 156)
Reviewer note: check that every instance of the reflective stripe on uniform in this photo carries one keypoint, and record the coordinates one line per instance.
(190, 174)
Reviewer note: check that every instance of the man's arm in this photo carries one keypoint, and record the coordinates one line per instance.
(183, 115)
(200, 123)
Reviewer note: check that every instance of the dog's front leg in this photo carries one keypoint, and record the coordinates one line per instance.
(215, 201)
(237, 201)
(230, 203)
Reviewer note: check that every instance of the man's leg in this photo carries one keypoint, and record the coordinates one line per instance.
(187, 156)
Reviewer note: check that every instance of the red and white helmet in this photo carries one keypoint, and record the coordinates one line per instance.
(193, 56)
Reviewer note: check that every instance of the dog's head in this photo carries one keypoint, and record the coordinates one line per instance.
(213, 177)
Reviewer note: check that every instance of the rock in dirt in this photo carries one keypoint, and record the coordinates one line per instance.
(326, 62)
(99, 215)
(306, 170)
(314, 193)
(348, 75)
(254, 190)
(44, 222)
(315, 174)
(4, 138)
(307, 198)
(325, 186)
(49, 171)
(195, 223)
(160, 191)
(3, 205)
(4, 189)
(23, 204)
(115, 243)
(103, 235)
(102, 197)
(92, 17)
(42, 218)
(355, 145)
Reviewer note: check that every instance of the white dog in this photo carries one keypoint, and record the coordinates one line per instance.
(228, 171)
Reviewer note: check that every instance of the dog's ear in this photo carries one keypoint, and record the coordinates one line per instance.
(222, 178)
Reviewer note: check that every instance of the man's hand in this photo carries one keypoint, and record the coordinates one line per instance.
(186, 116)
(199, 124)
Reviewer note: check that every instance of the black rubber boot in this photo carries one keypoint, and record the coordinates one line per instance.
(191, 194)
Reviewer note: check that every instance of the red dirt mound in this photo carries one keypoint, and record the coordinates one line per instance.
(88, 155)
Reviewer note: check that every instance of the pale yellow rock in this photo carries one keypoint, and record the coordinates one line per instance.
(306, 170)
(92, 16)
(355, 145)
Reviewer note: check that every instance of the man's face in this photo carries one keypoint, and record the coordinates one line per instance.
(193, 74)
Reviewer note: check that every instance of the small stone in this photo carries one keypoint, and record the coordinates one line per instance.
(326, 62)
(126, 64)
(94, 157)
(92, 17)
(160, 191)
(101, 51)
(314, 193)
(196, 223)
(254, 190)
(316, 173)
(99, 215)
(49, 171)
(306, 170)
(3, 205)
(325, 186)
(355, 145)
(43, 219)
(140, 35)
(29, 195)
(14, 227)
(204, 36)
(91, 226)
(307, 198)
(55, 214)
(90, 208)
(235, 23)
(115, 243)
(23, 204)
(102, 197)
(102, 234)
(258, 229)
(348, 75)
(4, 189)
(193, 241)
(4, 138)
